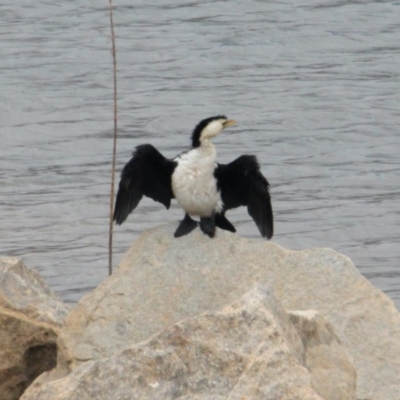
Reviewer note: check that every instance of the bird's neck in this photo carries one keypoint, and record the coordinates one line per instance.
(207, 149)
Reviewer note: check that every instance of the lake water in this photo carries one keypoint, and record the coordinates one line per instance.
(314, 86)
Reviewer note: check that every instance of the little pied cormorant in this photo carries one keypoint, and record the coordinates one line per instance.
(201, 186)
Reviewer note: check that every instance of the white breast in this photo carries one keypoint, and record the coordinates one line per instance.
(193, 182)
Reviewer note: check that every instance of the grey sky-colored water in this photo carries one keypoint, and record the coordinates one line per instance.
(314, 86)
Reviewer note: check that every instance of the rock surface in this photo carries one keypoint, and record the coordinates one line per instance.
(163, 280)
(333, 375)
(30, 318)
(249, 350)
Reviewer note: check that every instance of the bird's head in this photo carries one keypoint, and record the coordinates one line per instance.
(210, 127)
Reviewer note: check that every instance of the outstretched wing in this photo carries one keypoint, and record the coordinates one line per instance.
(242, 184)
(147, 173)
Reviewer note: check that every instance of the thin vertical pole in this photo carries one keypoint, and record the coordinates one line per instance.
(110, 239)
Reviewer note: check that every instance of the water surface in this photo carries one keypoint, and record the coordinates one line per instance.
(313, 85)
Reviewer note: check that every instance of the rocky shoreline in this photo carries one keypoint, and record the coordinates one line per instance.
(194, 318)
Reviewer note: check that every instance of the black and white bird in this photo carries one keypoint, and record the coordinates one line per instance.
(202, 187)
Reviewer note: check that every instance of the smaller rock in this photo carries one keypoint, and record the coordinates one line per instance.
(23, 290)
(248, 350)
(30, 318)
(333, 375)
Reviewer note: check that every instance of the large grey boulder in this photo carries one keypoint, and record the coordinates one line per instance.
(163, 280)
(249, 350)
(30, 318)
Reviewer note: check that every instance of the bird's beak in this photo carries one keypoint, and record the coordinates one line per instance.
(229, 123)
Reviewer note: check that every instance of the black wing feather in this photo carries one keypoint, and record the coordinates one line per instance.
(242, 184)
(147, 173)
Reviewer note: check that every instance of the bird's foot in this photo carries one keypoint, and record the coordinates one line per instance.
(207, 225)
(222, 222)
(186, 226)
